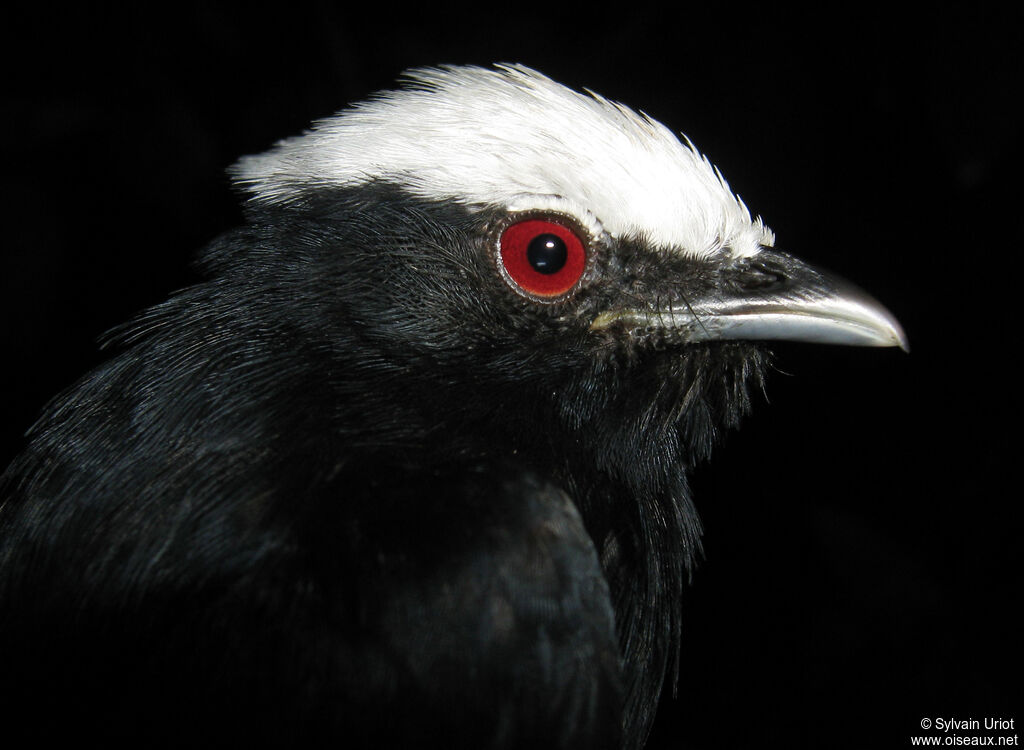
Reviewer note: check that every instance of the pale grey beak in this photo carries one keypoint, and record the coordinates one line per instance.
(773, 297)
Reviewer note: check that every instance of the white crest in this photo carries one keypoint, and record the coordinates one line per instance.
(513, 138)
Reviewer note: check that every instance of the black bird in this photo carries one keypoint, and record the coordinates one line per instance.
(409, 466)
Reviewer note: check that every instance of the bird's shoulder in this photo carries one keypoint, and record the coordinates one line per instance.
(483, 569)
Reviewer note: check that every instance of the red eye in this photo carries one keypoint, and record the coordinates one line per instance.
(543, 258)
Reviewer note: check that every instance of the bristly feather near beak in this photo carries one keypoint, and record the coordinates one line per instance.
(784, 299)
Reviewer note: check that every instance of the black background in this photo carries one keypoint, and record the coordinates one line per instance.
(862, 565)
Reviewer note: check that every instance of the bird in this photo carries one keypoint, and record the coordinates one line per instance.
(408, 465)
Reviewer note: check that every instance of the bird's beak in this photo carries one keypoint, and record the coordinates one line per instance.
(773, 297)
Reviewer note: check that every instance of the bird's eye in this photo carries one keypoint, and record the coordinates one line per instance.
(543, 258)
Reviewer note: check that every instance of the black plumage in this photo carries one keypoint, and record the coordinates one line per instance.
(354, 488)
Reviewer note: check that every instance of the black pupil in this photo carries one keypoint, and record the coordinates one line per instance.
(547, 253)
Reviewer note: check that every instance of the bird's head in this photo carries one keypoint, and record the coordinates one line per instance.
(497, 239)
